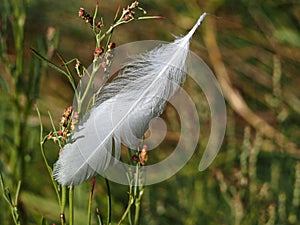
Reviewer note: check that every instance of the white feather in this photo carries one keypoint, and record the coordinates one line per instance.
(123, 111)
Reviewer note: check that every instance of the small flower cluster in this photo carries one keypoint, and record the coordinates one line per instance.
(85, 16)
(98, 52)
(141, 157)
(64, 120)
(108, 56)
(66, 125)
(88, 18)
(129, 11)
(107, 59)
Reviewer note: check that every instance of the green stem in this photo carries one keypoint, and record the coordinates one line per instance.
(108, 202)
(122, 21)
(108, 41)
(49, 169)
(67, 74)
(91, 81)
(94, 21)
(54, 129)
(71, 205)
(63, 204)
(100, 221)
(136, 180)
(137, 194)
(90, 212)
(130, 202)
(138, 206)
(91, 201)
(12, 205)
(137, 213)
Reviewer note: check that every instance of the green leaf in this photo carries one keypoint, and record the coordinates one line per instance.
(44, 221)
(3, 84)
(48, 62)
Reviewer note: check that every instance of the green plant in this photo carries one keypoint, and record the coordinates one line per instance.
(19, 88)
(101, 61)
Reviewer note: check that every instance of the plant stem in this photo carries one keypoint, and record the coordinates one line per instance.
(81, 99)
(137, 212)
(138, 206)
(108, 202)
(71, 205)
(12, 205)
(91, 201)
(137, 194)
(68, 74)
(100, 221)
(63, 204)
(130, 202)
(49, 169)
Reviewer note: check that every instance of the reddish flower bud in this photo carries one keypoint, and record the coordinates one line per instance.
(135, 158)
(103, 64)
(99, 24)
(98, 51)
(126, 17)
(143, 155)
(65, 133)
(60, 133)
(81, 12)
(111, 45)
(134, 5)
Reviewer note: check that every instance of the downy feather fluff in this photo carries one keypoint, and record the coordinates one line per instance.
(123, 110)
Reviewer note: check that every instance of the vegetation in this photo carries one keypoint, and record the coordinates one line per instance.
(253, 47)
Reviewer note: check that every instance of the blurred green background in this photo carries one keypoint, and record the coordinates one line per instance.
(253, 47)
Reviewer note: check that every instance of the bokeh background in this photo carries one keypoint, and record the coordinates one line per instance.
(253, 48)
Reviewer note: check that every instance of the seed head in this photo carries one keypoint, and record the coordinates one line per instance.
(144, 155)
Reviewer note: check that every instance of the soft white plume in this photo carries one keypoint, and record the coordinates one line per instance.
(123, 110)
